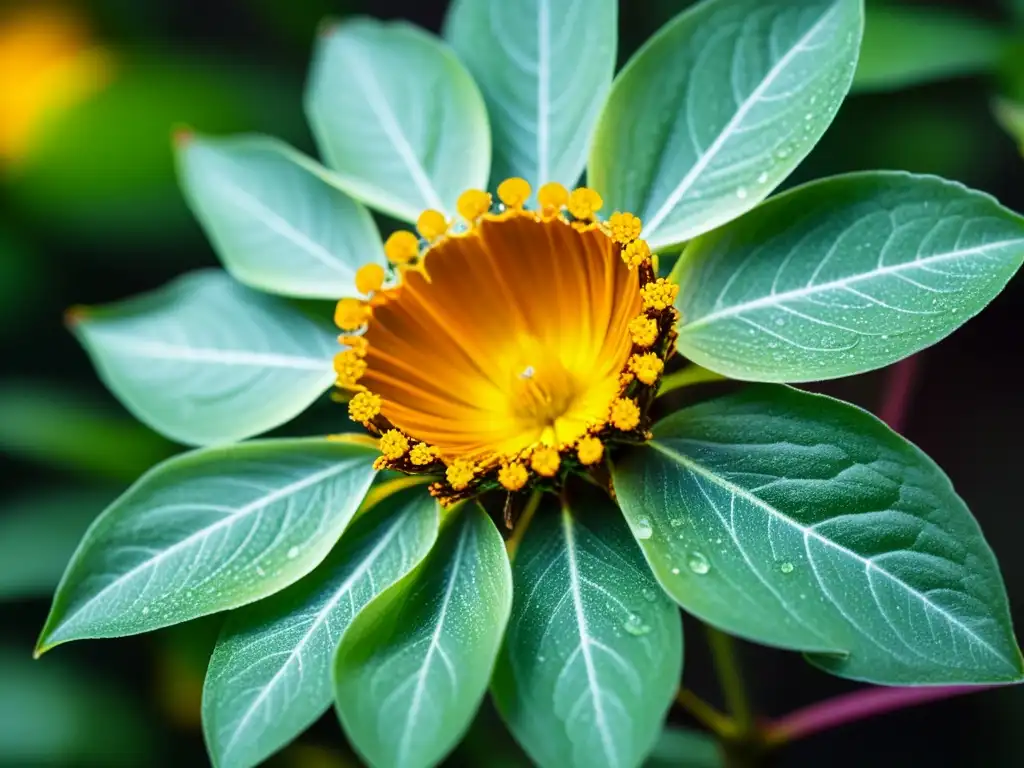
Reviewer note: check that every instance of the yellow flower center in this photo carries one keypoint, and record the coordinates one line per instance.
(512, 346)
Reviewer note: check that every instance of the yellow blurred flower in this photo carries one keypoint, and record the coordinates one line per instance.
(48, 63)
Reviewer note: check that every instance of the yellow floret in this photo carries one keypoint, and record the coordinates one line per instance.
(402, 247)
(351, 314)
(589, 450)
(363, 406)
(625, 414)
(647, 367)
(514, 192)
(643, 330)
(393, 444)
(545, 461)
(660, 294)
(625, 227)
(513, 476)
(369, 278)
(432, 224)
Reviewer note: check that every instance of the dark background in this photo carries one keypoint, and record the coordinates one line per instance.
(95, 216)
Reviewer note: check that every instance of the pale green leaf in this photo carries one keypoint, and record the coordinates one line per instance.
(205, 360)
(1010, 115)
(397, 117)
(842, 276)
(275, 222)
(719, 107)
(800, 521)
(414, 666)
(593, 653)
(270, 674)
(206, 531)
(905, 46)
(545, 68)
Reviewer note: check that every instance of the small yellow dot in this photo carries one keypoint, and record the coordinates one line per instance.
(636, 253)
(351, 314)
(472, 204)
(583, 202)
(552, 196)
(357, 344)
(625, 227)
(643, 330)
(625, 414)
(589, 450)
(363, 406)
(545, 461)
(393, 444)
(646, 367)
(432, 224)
(513, 476)
(402, 247)
(369, 278)
(349, 367)
(514, 192)
(423, 454)
(660, 294)
(460, 474)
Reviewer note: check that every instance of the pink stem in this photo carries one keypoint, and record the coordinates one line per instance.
(857, 706)
(899, 386)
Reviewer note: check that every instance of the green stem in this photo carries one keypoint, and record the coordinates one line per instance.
(688, 376)
(730, 676)
(706, 714)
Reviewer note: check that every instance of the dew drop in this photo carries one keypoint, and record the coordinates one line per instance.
(780, 321)
(675, 522)
(675, 571)
(145, 611)
(635, 626)
(786, 567)
(741, 192)
(782, 152)
(541, 659)
(293, 553)
(809, 116)
(762, 178)
(260, 571)
(649, 595)
(698, 563)
(643, 529)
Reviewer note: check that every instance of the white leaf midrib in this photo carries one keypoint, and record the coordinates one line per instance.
(774, 299)
(741, 113)
(343, 589)
(543, 90)
(247, 509)
(160, 350)
(572, 565)
(809, 532)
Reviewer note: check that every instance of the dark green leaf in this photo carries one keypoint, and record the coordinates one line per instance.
(413, 667)
(683, 748)
(270, 674)
(206, 531)
(803, 522)
(593, 654)
(842, 276)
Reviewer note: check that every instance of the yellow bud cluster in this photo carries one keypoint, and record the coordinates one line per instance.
(513, 476)
(625, 227)
(349, 367)
(647, 367)
(643, 330)
(545, 461)
(625, 414)
(432, 224)
(369, 278)
(393, 444)
(460, 474)
(363, 406)
(514, 192)
(584, 202)
(472, 204)
(552, 197)
(636, 253)
(660, 294)
(589, 450)
(423, 454)
(351, 314)
(402, 247)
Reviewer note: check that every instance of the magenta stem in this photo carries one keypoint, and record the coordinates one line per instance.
(899, 387)
(858, 705)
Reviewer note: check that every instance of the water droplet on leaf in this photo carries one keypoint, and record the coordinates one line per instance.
(293, 553)
(643, 529)
(698, 563)
(635, 626)
(786, 567)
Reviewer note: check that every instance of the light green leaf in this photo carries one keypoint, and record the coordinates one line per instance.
(205, 360)
(719, 107)
(38, 535)
(397, 117)
(842, 276)
(270, 674)
(905, 46)
(1010, 115)
(685, 748)
(275, 222)
(414, 666)
(593, 653)
(545, 68)
(59, 426)
(800, 521)
(206, 531)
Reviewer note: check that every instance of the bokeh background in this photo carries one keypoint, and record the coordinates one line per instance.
(90, 92)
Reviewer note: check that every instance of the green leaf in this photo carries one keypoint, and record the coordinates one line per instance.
(719, 107)
(1010, 115)
(205, 360)
(38, 535)
(842, 276)
(803, 522)
(414, 666)
(905, 46)
(59, 715)
(545, 68)
(275, 222)
(206, 531)
(397, 117)
(270, 674)
(60, 427)
(684, 748)
(593, 653)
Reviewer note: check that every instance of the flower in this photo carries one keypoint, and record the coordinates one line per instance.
(508, 351)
